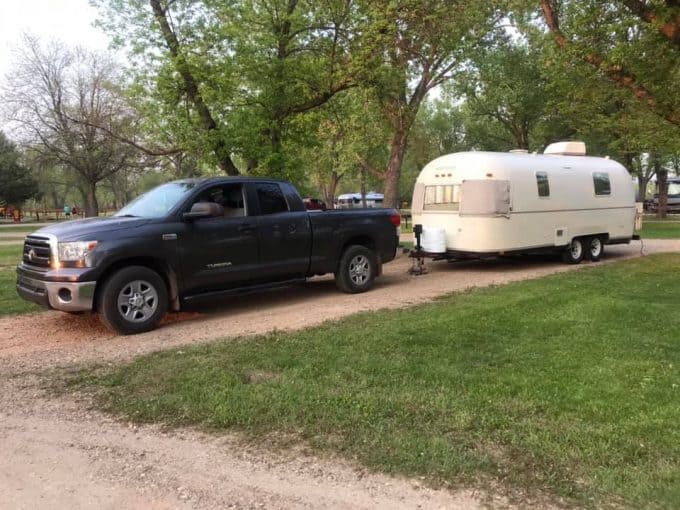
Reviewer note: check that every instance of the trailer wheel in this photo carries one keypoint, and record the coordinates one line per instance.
(575, 251)
(357, 270)
(595, 248)
(133, 300)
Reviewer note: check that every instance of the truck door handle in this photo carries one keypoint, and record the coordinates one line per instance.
(248, 227)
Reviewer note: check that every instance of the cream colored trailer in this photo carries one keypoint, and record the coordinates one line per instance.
(500, 203)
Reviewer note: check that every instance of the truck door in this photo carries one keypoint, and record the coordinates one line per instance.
(284, 235)
(220, 253)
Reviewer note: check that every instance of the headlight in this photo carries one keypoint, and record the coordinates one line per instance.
(79, 252)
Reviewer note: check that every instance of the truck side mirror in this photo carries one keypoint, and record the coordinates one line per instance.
(203, 210)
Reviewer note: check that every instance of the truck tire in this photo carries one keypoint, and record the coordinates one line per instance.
(133, 300)
(575, 251)
(595, 248)
(357, 270)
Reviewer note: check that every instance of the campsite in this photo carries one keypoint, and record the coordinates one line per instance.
(339, 254)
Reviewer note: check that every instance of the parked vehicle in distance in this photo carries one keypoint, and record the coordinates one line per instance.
(314, 204)
(197, 239)
(485, 203)
(673, 205)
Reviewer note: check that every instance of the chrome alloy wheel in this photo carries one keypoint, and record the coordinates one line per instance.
(576, 249)
(137, 301)
(359, 270)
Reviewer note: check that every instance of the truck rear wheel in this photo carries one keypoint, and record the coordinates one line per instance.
(133, 300)
(357, 270)
(575, 251)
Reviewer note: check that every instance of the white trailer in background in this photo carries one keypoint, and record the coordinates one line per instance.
(355, 200)
(486, 204)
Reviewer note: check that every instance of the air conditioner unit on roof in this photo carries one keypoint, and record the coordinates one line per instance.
(566, 149)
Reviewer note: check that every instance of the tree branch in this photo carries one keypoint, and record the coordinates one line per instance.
(370, 168)
(615, 73)
(668, 28)
(191, 88)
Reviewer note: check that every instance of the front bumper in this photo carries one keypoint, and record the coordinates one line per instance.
(65, 296)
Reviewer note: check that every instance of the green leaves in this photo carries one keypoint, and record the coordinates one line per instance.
(18, 185)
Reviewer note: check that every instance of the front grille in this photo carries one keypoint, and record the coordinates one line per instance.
(37, 251)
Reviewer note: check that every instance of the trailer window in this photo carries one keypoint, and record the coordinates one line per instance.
(442, 198)
(543, 184)
(602, 184)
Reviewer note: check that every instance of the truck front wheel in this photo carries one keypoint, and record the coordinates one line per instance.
(357, 270)
(133, 300)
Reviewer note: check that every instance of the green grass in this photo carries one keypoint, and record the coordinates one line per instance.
(10, 255)
(19, 229)
(653, 229)
(10, 302)
(568, 385)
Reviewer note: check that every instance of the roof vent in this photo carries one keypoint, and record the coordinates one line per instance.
(519, 151)
(566, 149)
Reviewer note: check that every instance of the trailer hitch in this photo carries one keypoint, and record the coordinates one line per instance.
(418, 267)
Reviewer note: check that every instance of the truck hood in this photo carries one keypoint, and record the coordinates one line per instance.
(91, 229)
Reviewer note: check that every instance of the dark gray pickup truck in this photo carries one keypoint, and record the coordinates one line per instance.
(198, 239)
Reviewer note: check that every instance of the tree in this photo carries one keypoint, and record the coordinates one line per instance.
(349, 129)
(67, 106)
(229, 78)
(633, 43)
(409, 48)
(18, 185)
(508, 98)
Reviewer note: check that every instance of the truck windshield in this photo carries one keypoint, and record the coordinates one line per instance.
(158, 202)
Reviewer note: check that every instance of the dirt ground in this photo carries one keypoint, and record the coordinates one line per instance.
(58, 453)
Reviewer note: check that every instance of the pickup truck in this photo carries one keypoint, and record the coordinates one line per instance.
(198, 239)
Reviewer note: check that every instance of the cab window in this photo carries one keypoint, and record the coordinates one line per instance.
(229, 196)
(271, 198)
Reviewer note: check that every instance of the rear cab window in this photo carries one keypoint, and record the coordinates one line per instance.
(230, 196)
(271, 198)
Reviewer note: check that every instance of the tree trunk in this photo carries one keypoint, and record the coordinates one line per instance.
(393, 171)
(330, 189)
(208, 122)
(643, 181)
(363, 187)
(92, 209)
(662, 182)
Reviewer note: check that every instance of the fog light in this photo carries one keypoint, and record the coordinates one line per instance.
(65, 295)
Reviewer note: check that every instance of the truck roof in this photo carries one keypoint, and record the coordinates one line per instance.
(230, 178)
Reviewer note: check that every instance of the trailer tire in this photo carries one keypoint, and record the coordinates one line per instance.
(357, 269)
(575, 251)
(595, 248)
(133, 300)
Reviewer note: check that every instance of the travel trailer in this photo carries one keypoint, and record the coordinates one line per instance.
(479, 204)
(353, 200)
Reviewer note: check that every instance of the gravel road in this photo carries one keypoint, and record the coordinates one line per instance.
(58, 453)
